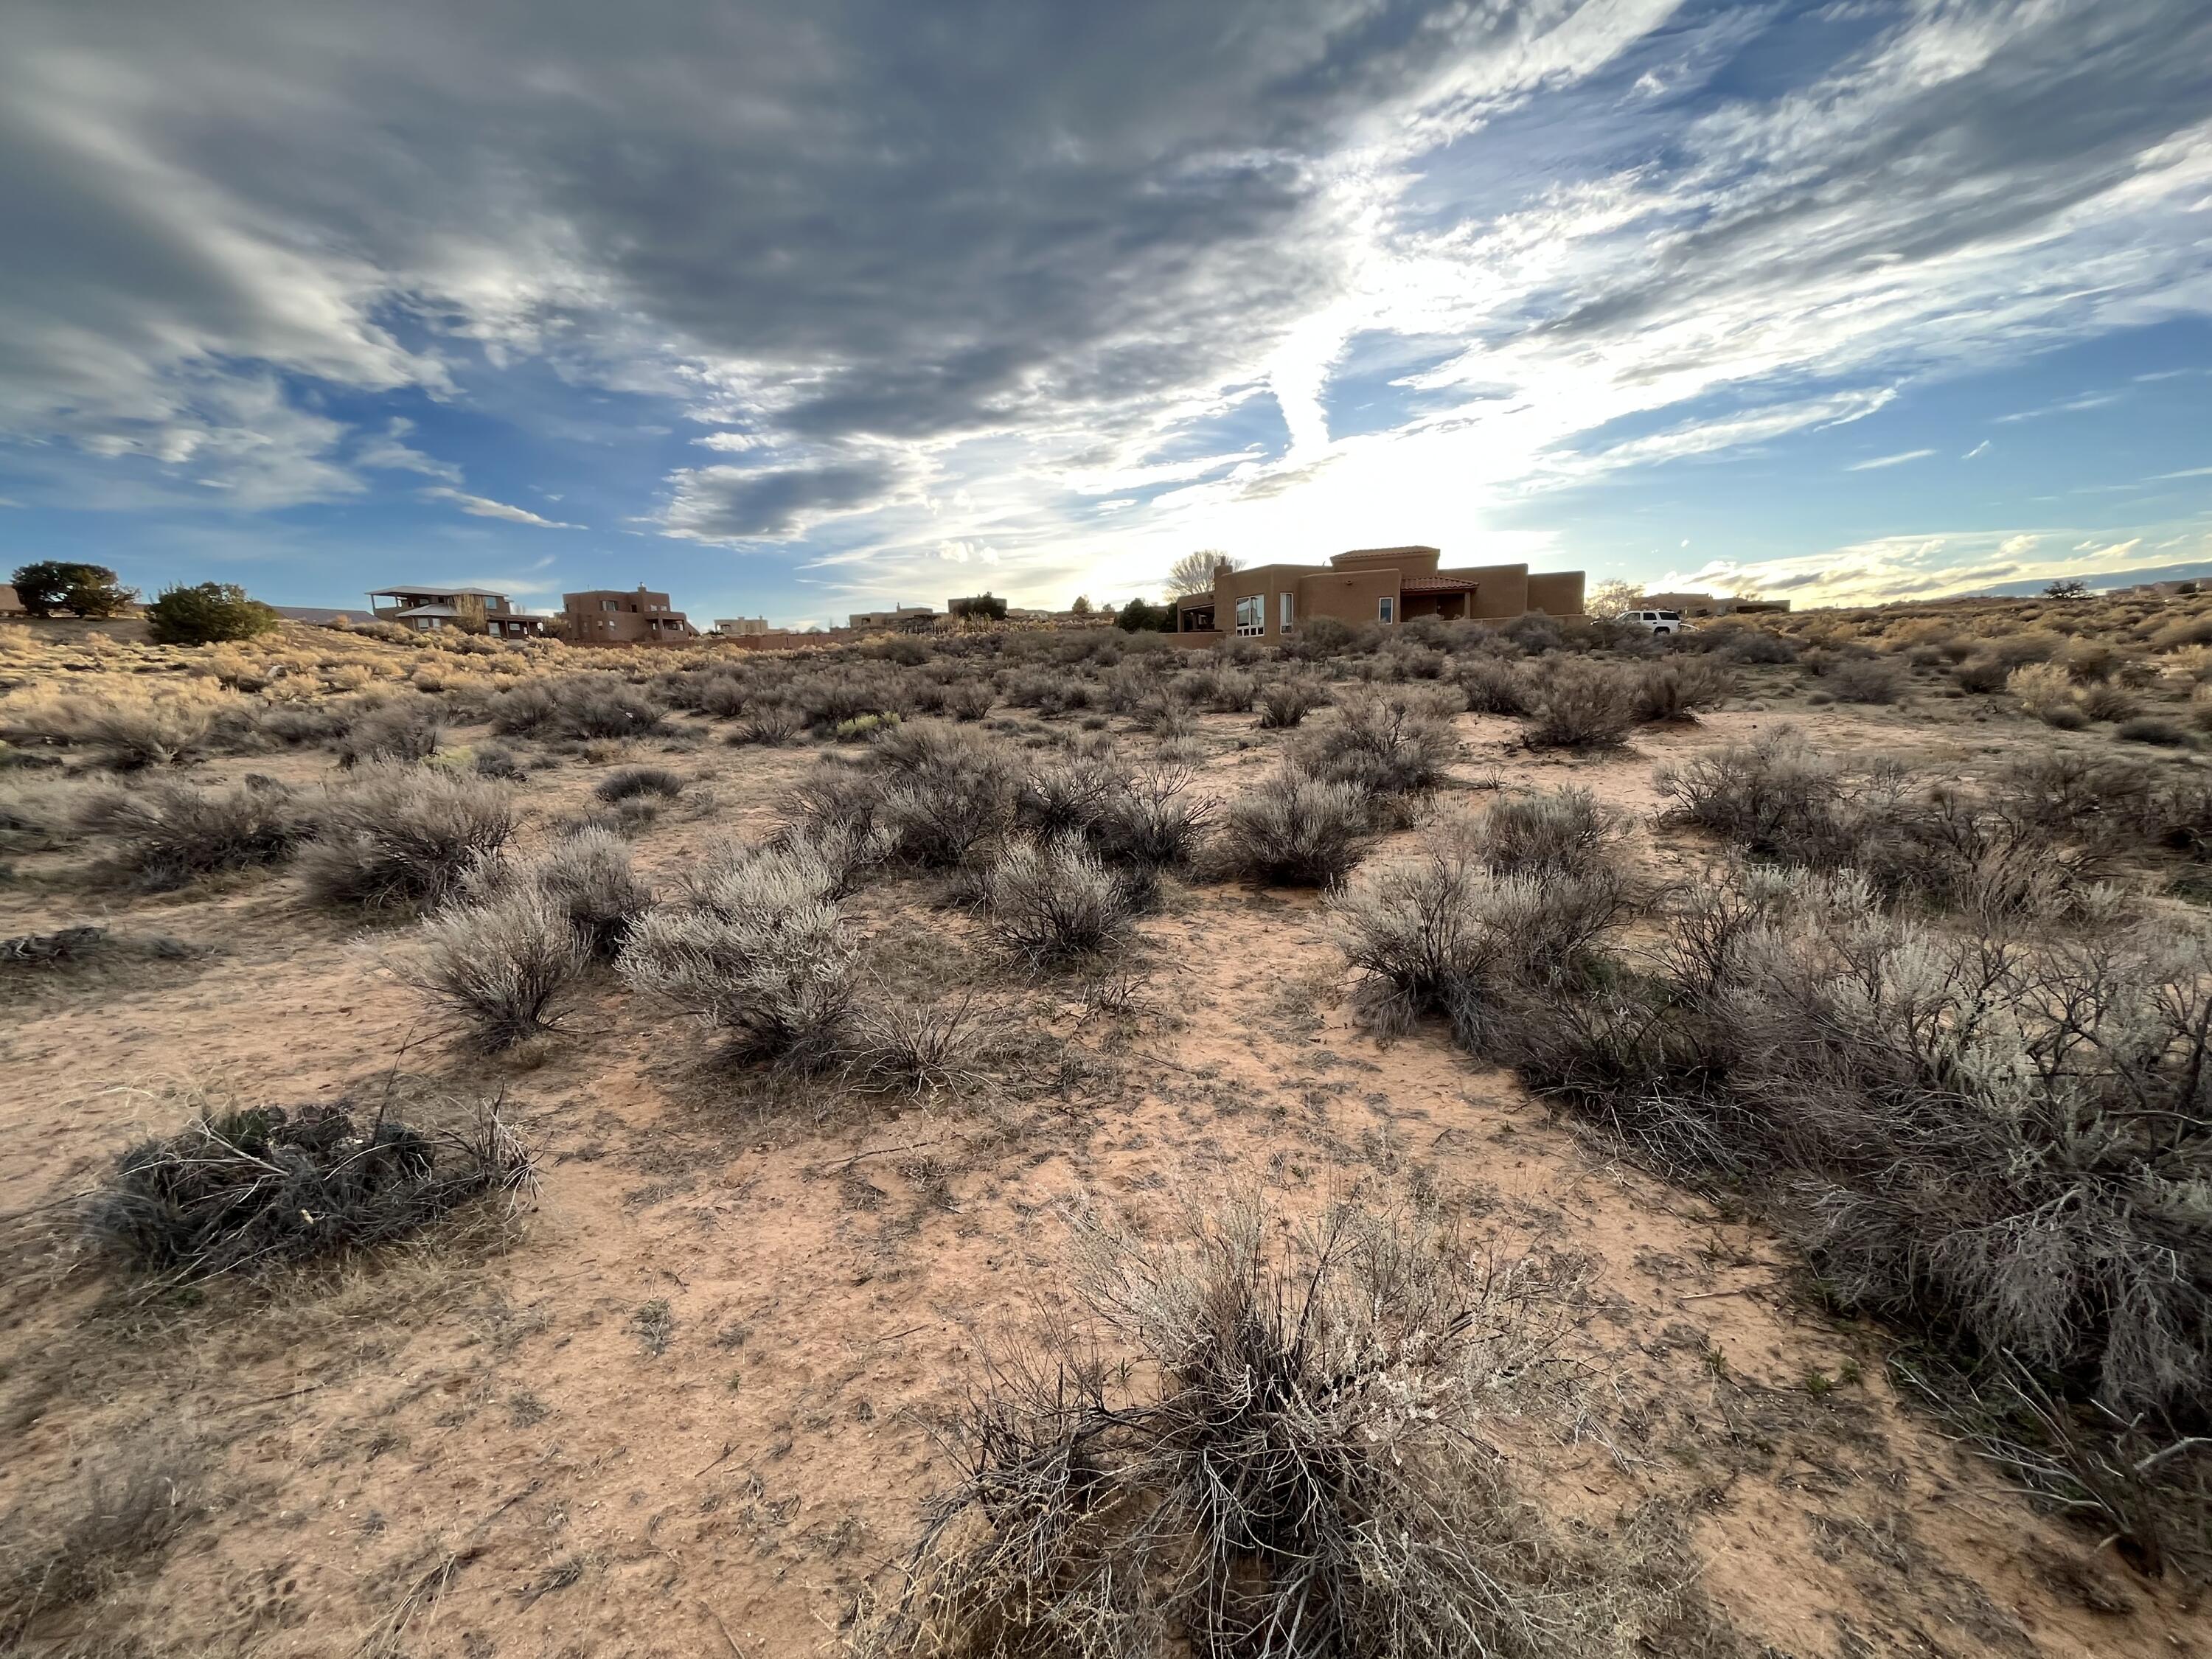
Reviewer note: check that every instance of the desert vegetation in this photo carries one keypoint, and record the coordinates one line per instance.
(1375, 1053)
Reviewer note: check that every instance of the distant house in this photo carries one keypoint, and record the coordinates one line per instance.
(11, 605)
(1381, 586)
(428, 610)
(902, 618)
(740, 628)
(607, 615)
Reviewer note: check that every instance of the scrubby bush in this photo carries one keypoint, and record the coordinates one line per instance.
(69, 1544)
(2153, 729)
(1580, 704)
(207, 614)
(758, 949)
(405, 730)
(253, 1191)
(1291, 1460)
(574, 707)
(1866, 679)
(2106, 701)
(83, 590)
(1323, 636)
(1982, 674)
(1772, 796)
(1295, 830)
(1493, 684)
(1149, 821)
(1052, 902)
(165, 835)
(1756, 644)
(2045, 690)
(771, 724)
(1284, 702)
(1564, 832)
(943, 790)
(1384, 741)
(969, 700)
(405, 837)
(634, 782)
(500, 966)
(493, 760)
(1678, 691)
(585, 875)
(896, 1046)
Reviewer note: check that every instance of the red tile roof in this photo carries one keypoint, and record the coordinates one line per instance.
(1435, 585)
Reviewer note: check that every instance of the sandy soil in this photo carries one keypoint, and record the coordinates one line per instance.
(692, 1406)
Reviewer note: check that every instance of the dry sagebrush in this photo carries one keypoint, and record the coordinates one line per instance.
(1294, 1458)
(162, 835)
(406, 838)
(758, 949)
(251, 1191)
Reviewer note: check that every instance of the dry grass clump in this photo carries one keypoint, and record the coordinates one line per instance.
(1384, 741)
(2046, 691)
(633, 782)
(758, 949)
(405, 837)
(772, 725)
(1297, 1463)
(124, 733)
(1293, 831)
(1051, 903)
(499, 967)
(165, 834)
(915, 1049)
(249, 1192)
(2154, 730)
(66, 1548)
(587, 876)
(1578, 704)
(1865, 680)
(932, 793)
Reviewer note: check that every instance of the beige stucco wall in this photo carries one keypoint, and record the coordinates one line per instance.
(1556, 593)
(1350, 596)
(1267, 581)
(1500, 590)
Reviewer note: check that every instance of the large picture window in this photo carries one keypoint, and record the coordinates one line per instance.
(1252, 614)
(1386, 609)
(1283, 611)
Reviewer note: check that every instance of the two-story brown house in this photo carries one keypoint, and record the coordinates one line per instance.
(607, 615)
(1385, 585)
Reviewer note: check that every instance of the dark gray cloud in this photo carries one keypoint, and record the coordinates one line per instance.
(866, 217)
(734, 503)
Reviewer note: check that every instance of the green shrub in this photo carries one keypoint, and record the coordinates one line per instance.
(84, 590)
(207, 614)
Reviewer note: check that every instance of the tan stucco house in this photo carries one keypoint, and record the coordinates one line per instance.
(609, 616)
(1383, 585)
(472, 610)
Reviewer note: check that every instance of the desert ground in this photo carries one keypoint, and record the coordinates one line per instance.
(690, 1382)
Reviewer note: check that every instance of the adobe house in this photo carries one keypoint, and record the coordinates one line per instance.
(427, 609)
(1385, 585)
(607, 615)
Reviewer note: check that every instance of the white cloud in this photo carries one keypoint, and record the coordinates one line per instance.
(482, 506)
(388, 453)
(1890, 460)
(1981, 448)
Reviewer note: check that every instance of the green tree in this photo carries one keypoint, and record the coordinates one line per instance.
(1137, 615)
(208, 613)
(986, 606)
(87, 590)
(1082, 605)
(2067, 587)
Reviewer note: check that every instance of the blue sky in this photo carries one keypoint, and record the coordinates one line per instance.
(795, 311)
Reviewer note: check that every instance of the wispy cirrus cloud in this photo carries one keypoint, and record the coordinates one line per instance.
(482, 506)
(1898, 459)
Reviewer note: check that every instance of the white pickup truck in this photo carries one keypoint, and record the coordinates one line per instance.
(1656, 622)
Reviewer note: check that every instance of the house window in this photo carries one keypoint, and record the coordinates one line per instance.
(609, 605)
(1252, 614)
(1283, 611)
(1386, 609)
